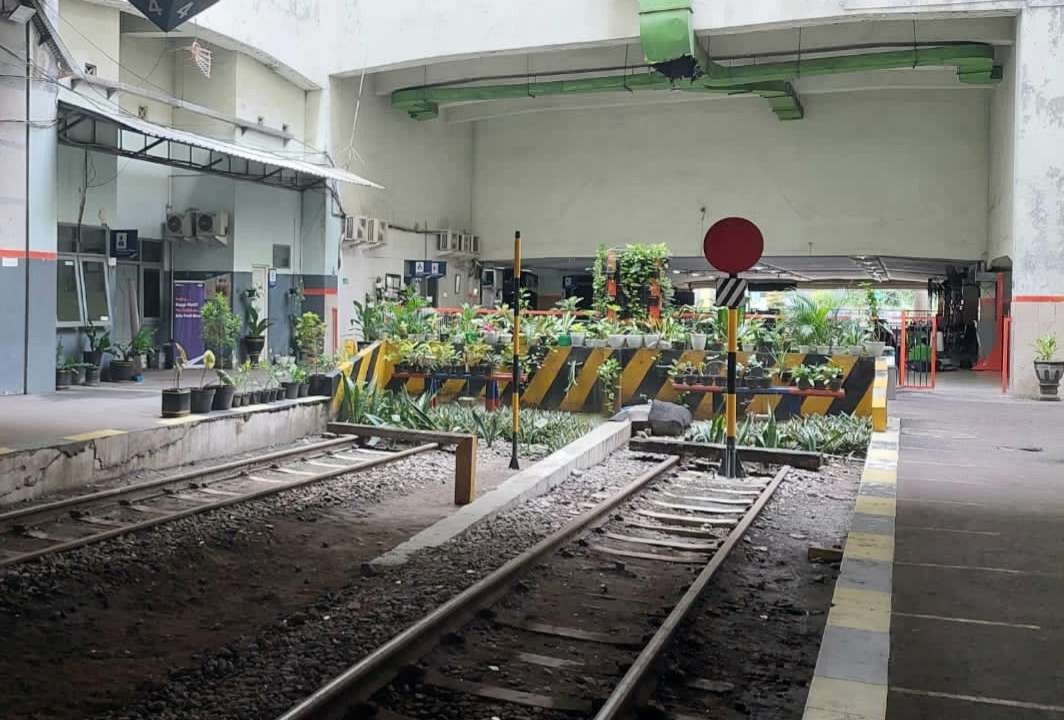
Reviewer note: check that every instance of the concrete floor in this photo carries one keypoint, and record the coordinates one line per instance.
(977, 631)
(81, 412)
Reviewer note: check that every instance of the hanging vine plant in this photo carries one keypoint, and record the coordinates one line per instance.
(639, 264)
(600, 298)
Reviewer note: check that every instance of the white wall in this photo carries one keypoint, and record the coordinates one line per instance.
(1002, 127)
(208, 193)
(90, 32)
(260, 92)
(870, 172)
(71, 174)
(264, 216)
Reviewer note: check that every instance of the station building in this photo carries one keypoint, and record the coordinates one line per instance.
(330, 146)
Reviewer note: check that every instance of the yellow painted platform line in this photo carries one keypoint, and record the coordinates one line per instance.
(868, 546)
(860, 609)
(94, 435)
(6, 450)
(194, 418)
(873, 505)
(831, 699)
(880, 476)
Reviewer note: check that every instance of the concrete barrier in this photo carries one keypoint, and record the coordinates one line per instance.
(33, 473)
(535, 480)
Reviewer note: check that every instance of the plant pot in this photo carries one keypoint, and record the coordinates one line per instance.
(875, 349)
(506, 338)
(823, 350)
(715, 347)
(633, 341)
(615, 341)
(698, 341)
(818, 384)
(835, 384)
(122, 370)
(92, 357)
(223, 397)
(1049, 374)
(238, 400)
(595, 342)
(565, 340)
(304, 389)
(62, 379)
(804, 384)
(202, 399)
(490, 338)
(176, 402)
(804, 349)
(253, 345)
(578, 339)
(854, 349)
(291, 389)
(77, 376)
(651, 340)
(324, 383)
(92, 375)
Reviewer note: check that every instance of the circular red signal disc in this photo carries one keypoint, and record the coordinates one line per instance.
(733, 245)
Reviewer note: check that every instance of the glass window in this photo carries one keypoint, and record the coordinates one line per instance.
(282, 256)
(68, 305)
(66, 238)
(93, 240)
(151, 251)
(152, 292)
(94, 276)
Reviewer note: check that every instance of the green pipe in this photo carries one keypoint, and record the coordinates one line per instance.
(974, 64)
(667, 34)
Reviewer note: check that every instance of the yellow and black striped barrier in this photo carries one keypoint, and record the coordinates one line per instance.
(567, 379)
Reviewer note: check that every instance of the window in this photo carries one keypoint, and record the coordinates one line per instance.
(282, 257)
(151, 251)
(68, 299)
(152, 285)
(82, 291)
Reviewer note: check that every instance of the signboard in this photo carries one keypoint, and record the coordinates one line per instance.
(168, 14)
(733, 245)
(426, 268)
(189, 298)
(731, 291)
(125, 244)
(271, 277)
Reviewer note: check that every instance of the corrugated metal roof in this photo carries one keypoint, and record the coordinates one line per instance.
(102, 109)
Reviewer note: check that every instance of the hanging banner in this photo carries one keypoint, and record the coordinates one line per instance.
(189, 298)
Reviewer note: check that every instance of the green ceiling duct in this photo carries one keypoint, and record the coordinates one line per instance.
(667, 34)
(974, 64)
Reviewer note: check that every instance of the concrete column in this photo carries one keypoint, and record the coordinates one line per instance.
(1038, 189)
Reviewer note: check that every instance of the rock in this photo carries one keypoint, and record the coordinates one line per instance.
(635, 414)
(669, 419)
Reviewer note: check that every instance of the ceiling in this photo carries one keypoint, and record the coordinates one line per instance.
(803, 270)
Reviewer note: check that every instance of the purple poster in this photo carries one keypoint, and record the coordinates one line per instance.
(188, 323)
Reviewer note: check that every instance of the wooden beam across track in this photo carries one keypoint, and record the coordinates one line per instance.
(711, 451)
(465, 458)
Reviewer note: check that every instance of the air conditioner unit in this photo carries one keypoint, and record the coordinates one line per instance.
(356, 229)
(377, 232)
(211, 225)
(178, 225)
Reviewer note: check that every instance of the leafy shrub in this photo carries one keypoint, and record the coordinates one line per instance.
(831, 434)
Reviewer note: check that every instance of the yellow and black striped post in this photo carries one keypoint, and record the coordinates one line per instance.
(730, 466)
(515, 401)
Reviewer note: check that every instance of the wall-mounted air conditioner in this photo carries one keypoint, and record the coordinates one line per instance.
(356, 229)
(178, 225)
(377, 233)
(211, 225)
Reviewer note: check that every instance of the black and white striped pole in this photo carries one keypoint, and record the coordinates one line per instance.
(732, 245)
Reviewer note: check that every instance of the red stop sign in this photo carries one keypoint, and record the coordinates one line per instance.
(733, 245)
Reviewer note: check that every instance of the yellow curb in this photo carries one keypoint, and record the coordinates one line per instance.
(845, 700)
(872, 505)
(860, 609)
(867, 546)
(883, 454)
(179, 420)
(879, 475)
(6, 450)
(94, 435)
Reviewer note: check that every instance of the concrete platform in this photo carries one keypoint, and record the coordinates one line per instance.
(83, 435)
(954, 567)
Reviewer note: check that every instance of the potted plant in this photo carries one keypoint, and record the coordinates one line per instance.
(310, 341)
(596, 335)
(203, 397)
(288, 379)
(578, 334)
(177, 401)
(615, 337)
(91, 375)
(715, 372)
(255, 339)
(757, 376)
(474, 355)
(224, 391)
(1046, 369)
(832, 375)
(300, 375)
(221, 327)
(99, 343)
(62, 368)
(803, 376)
(490, 332)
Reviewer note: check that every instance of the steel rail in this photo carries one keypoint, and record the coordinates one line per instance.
(254, 495)
(361, 680)
(179, 477)
(637, 684)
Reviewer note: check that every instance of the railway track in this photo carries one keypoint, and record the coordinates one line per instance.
(573, 627)
(37, 531)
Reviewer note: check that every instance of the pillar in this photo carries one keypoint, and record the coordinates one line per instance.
(1038, 189)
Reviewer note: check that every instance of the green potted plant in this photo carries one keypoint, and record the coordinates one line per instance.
(224, 391)
(62, 368)
(177, 401)
(203, 397)
(255, 339)
(1046, 369)
(803, 376)
(99, 343)
(221, 327)
(832, 374)
(757, 376)
(123, 365)
(300, 375)
(289, 382)
(474, 356)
